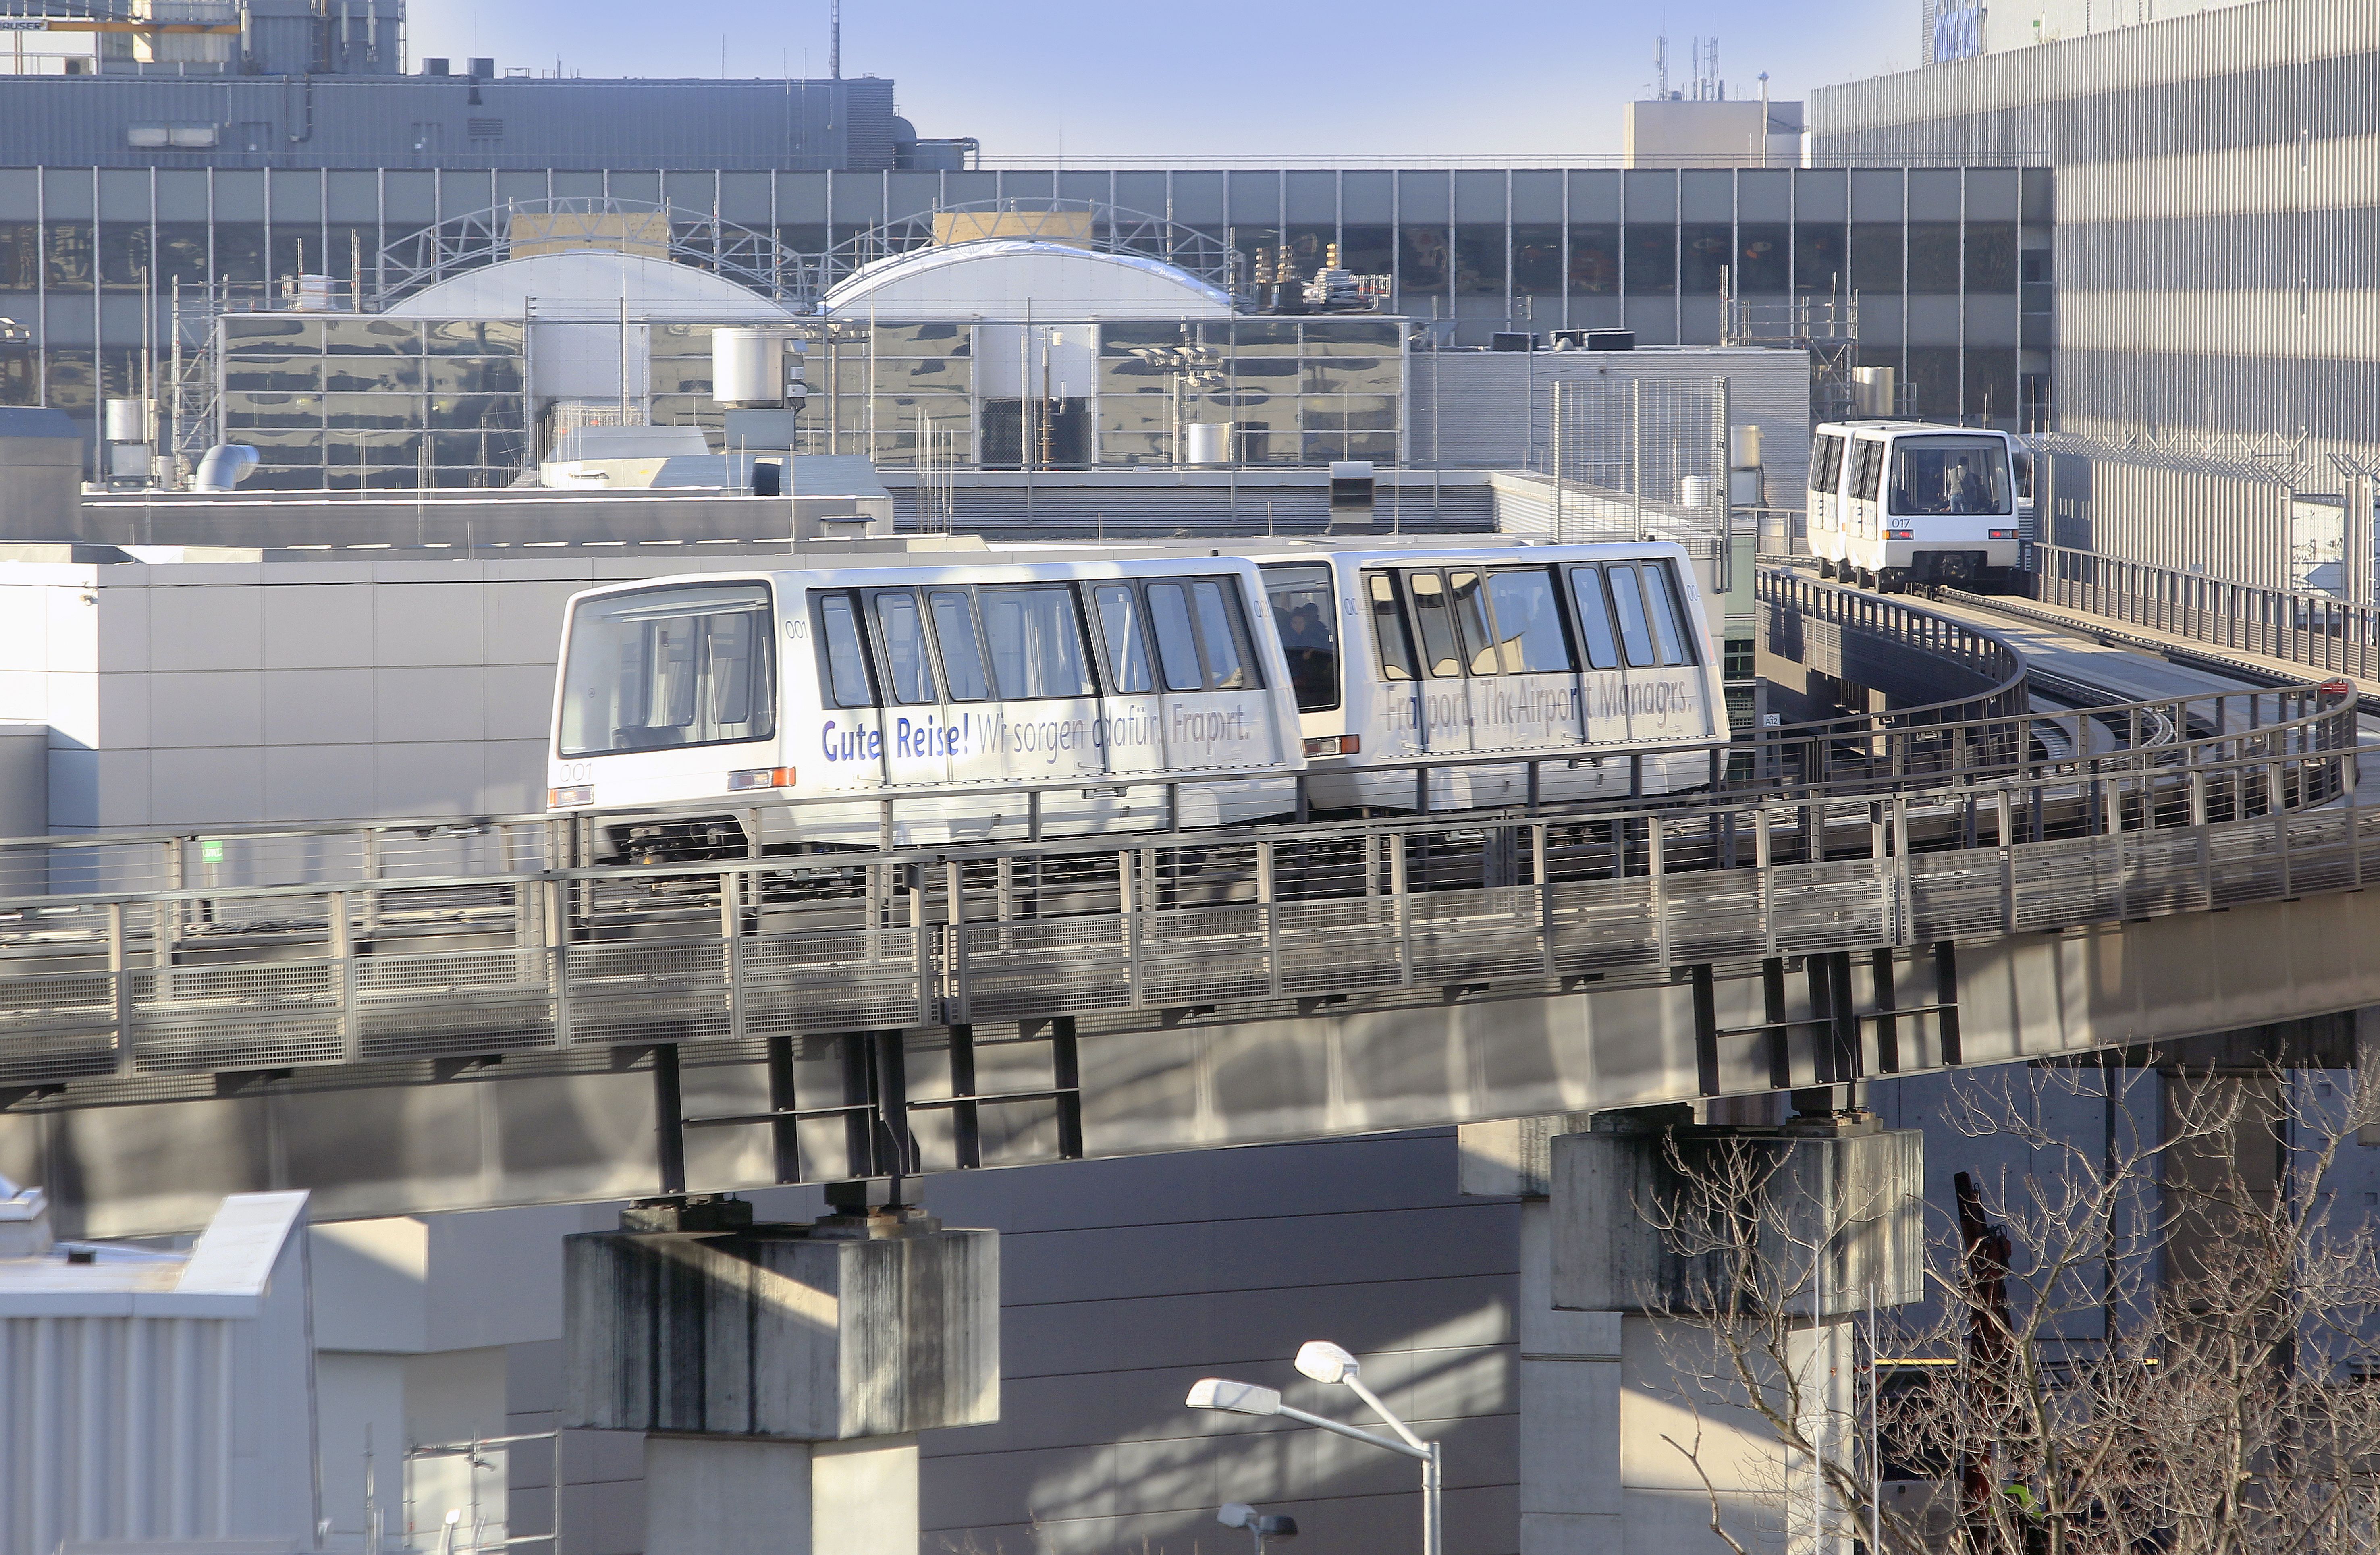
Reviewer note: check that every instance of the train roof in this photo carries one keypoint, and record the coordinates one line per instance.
(1902, 426)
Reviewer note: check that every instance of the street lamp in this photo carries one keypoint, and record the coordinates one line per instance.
(1326, 1362)
(1240, 1514)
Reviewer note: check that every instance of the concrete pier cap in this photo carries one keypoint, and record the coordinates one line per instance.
(780, 1372)
(1836, 1205)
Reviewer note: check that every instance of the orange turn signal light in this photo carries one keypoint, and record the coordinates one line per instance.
(760, 777)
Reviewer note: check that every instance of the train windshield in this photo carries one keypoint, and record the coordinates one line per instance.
(1308, 628)
(666, 668)
(1950, 477)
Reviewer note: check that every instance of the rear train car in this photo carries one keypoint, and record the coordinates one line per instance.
(1599, 655)
(953, 689)
(1896, 504)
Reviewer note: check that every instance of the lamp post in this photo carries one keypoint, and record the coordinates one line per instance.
(1326, 1362)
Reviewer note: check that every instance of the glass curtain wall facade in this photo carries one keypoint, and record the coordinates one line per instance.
(1291, 390)
(1951, 264)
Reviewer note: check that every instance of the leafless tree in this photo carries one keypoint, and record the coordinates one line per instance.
(2154, 1335)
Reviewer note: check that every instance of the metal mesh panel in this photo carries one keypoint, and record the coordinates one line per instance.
(1639, 459)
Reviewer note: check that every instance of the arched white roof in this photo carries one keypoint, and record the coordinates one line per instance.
(589, 284)
(997, 277)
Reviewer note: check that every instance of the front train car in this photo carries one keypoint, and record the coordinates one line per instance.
(982, 701)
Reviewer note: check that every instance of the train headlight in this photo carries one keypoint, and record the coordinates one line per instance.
(760, 777)
(577, 793)
(1900, 534)
(1334, 745)
(2003, 534)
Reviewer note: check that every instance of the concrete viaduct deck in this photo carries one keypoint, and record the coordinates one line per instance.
(490, 1011)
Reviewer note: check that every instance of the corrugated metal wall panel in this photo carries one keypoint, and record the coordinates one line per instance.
(2217, 254)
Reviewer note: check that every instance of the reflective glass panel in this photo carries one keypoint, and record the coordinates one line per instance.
(1668, 619)
(1036, 645)
(1127, 646)
(665, 668)
(908, 672)
(1177, 642)
(1220, 634)
(1529, 634)
(1306, 622)
(1440, 650)
(1950, 476)
(846, 660)
(1593, 618)
(1635, 633)
(1389, 629)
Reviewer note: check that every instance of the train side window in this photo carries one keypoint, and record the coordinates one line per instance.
(1438, 649)
(1127, 646)
(1529, 623)
(1635, 633)
(1035, 640)
(1388, 628)
(846, 658)
(1668, 619)
(1594, 618)
(1177, 640)
(1222, 634)
(963, 668)
(1307, 625)
(1471, 615)
(1828, 460)
(738, 664)
(908, 671)
(1871, 466)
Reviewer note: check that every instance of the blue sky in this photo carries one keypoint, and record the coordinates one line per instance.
(1290, 79)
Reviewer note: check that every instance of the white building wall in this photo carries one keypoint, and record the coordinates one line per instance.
(191, 694)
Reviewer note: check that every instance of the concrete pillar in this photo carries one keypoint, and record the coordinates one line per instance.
(707, 1495)
(782, 1373)
(1602, 1383)
(1570, 1365)
(1841, 1185)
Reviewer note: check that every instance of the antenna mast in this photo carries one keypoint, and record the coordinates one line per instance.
(834, 41)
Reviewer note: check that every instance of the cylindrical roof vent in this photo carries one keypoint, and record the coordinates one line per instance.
(127, 421)
(747, 365)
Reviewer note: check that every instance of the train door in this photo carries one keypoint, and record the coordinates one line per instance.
(1524, 687)
(1216, 715)
(1048, 705)
(1826, 506)
(918, 725)
(1602, 674)
(972, 725)
(1665, 701)
(1135, 741)
(851, 725)
(1867, 475)
(1445, 699)
(1392, 731)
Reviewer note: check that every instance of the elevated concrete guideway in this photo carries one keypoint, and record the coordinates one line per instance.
(489, 1018)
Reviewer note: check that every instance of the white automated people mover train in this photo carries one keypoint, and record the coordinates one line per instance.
(955, 687)
(1898, 502)
(1596, 654)
(959, 684)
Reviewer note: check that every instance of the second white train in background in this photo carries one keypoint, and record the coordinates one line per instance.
(1896, 504)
